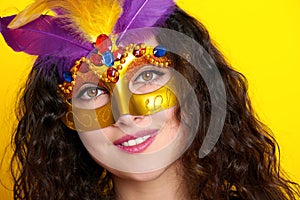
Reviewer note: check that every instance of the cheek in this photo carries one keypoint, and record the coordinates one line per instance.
(167, 118)
(165, 150)
(96, 143)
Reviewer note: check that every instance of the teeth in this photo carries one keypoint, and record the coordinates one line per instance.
(139, 140)
(131, 142)
(146, 137)
(135, 141)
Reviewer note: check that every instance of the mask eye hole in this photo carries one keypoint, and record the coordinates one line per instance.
(148, 75)
(148, 79)
(90, 96)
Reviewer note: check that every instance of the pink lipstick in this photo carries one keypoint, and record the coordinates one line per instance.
(136, 143)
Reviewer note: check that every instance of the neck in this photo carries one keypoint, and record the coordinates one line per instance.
(167, 184)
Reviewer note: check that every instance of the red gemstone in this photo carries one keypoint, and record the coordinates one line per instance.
(139, 52)
(112, 74)
(103, 43)
(118, 54)
(84, 67)
(101, 38)
(96, 59)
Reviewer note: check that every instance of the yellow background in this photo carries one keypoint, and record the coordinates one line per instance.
(260, 38)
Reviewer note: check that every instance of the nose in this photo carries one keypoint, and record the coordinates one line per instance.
(131, 124)
(129, 120)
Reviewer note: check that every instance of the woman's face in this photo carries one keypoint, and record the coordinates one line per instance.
(134, 143)
(142, 133)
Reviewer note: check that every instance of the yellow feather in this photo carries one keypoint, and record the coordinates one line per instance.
(30, 13)
(89, 17)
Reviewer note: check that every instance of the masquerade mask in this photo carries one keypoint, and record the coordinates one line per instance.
(71, 34)
(137, 78)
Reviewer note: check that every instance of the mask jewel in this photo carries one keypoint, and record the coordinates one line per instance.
(139, 50)
(159, 51)
(67, 86)
(106, 60)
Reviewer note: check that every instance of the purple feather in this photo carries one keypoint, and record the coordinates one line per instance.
(143, 13)
(62, 64)
(44, 36)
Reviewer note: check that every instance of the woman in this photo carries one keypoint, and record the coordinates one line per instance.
(59, 156)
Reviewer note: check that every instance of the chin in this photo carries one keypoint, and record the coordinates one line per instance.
(138, 177)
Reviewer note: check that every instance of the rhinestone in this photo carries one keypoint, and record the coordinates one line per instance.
(68, 77)
(139, 51)
(96, 59)
(159, 51)
(108, 58)
(103, 43)
(112, 74)
(118, 54)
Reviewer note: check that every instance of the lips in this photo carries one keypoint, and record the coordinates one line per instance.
(136, 143)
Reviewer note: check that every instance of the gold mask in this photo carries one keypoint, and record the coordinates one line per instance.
(126, 79)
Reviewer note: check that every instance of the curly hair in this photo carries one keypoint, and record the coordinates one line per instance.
(50, 162)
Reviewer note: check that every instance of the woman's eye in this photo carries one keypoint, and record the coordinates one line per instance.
(148, 76)
(90, 93)
(90, 96)
(149, 79)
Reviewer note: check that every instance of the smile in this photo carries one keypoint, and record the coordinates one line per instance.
(136, 143)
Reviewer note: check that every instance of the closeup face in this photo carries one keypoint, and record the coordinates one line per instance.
(140, 106)
(136, 129)
(124, 101)
(134, 113)
(125, 110)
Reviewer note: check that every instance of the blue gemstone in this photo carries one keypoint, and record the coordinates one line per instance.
(159, 51)
(68, 77)
(108, 58)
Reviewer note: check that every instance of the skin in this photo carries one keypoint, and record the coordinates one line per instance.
(139, 184)
(151, 185)
(164, 180)
(161, 184)
(145, 185)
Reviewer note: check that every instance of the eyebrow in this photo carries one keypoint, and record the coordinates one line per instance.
(89, 77)
(135, 66)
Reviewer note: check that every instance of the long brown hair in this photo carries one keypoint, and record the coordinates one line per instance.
(50, 161)
(243, 163)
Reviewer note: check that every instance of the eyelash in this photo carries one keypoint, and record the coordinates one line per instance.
(85, 89)
(155, 72)
(101, 90)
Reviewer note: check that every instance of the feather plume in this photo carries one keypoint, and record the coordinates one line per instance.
(29, 14)
(44, 36)
(143, 13)
(88, 17)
